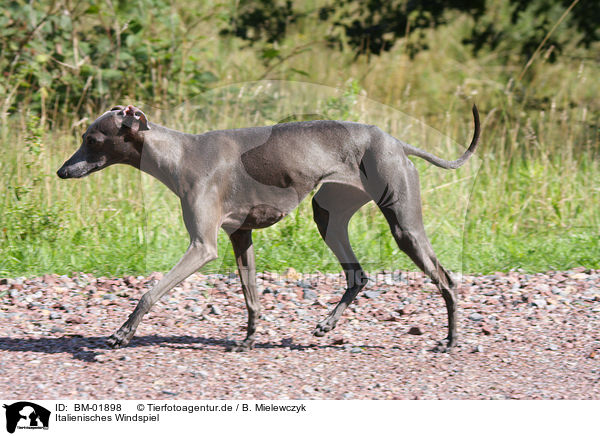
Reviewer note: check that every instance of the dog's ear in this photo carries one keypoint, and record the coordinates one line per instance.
(134, 118)
(117, 108)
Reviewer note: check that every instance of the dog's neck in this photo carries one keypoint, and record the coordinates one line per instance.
(163, 154)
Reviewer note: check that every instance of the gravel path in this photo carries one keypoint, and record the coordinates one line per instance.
(521, 336)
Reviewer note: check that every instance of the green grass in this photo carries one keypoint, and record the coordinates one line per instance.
(528, 200)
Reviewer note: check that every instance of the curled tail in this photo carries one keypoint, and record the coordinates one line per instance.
(410, 150)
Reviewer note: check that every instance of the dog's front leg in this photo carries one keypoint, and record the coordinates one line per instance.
(241, 240)
(196, 255)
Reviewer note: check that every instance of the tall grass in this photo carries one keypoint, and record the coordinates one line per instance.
(529, 200)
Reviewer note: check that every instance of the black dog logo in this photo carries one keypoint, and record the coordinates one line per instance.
(26, 415)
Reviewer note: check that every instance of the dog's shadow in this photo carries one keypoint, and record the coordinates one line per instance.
(87, 348)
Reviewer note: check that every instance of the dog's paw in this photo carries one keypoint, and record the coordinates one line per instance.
(444, 346)
(322, 329)
(119, 339)
(238, 347)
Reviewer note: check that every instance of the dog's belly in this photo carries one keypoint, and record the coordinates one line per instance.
(262, 216)
(257, 217)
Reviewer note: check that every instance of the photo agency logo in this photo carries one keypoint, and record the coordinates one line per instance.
(24, 415)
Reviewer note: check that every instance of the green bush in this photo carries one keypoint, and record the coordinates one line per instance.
(69, 59)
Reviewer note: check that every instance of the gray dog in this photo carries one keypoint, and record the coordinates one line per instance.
(245, 179)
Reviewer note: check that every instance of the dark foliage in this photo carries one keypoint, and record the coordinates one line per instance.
(373, 26)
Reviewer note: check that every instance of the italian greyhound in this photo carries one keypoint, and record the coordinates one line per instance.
(250, 178)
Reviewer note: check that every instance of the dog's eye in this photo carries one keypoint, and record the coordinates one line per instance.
(92, 142)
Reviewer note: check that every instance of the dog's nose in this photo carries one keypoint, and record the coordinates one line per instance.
(62, 173)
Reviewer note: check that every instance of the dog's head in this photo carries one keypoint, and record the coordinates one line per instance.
(115, 137)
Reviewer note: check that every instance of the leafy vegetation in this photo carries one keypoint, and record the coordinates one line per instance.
(528, 200)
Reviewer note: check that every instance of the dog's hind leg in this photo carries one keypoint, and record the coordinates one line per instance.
(333, 206)
(402, 210)
(241, 240)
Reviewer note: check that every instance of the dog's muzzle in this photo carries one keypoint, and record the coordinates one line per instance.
(63, 172)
